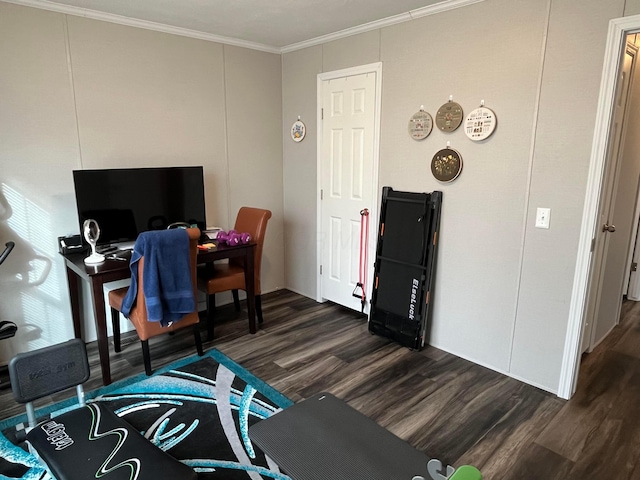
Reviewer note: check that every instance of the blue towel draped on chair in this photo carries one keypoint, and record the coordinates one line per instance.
(167, 281)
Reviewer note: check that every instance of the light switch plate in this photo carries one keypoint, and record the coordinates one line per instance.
(542, 217)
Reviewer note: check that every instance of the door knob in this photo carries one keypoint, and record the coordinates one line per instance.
(608, 228)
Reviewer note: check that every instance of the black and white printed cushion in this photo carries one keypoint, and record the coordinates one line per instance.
(92, 441)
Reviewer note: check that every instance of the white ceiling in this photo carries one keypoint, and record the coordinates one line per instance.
(271, 25)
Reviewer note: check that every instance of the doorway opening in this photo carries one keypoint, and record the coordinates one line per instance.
(600, 185)
(614, 236)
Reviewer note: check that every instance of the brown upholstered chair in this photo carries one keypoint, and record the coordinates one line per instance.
(230, 276)
(138, 314)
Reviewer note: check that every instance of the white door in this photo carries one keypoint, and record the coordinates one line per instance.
(347, 155)
(613, 235)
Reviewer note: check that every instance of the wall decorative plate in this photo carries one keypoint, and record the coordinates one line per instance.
(420, 125)
(449, 116)
(298, 131)
(446, 165)
(480, 124)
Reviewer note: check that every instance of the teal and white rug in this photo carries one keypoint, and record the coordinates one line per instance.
(198, 409)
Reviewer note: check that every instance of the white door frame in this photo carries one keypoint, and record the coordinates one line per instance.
(616, 41)
(373, 211)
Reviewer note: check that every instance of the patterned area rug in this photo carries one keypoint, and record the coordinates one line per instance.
(199, 410)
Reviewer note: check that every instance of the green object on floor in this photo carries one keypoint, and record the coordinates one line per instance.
(466, 472)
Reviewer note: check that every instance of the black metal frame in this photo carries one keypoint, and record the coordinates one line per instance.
(405, 263)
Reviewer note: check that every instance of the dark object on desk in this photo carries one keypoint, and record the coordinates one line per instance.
(138, 313)
(180, 225)
(323, 438)
(405, 266)
(71, 244)
(114, 256)
(231, 276)
(106, 249)
(90, 441)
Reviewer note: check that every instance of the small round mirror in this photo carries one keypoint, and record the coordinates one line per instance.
(91, 231)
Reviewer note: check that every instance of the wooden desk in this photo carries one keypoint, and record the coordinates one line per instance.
(112, 270)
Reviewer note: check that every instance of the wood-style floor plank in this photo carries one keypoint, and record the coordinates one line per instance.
(446, 406)
(569, 432)
(614, 442)
(512, 437)
(538, 462)
(628, 332)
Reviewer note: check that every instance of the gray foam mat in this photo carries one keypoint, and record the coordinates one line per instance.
(323, 438)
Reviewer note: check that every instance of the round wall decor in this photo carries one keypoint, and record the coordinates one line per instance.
(298, 131)
(449, 116)
(446, 165)
(480, 124)
(420, 125)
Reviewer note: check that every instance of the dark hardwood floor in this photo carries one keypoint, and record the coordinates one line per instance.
(447, 407)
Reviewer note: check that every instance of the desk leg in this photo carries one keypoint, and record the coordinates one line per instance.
(250, 289)
(97, 291)
(74, 297)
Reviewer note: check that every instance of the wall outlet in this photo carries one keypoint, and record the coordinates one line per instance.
(542, 217)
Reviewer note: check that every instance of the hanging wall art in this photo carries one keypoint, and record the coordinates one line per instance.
(420, 124)
(480, 123)
(446, 165)
(298, 130)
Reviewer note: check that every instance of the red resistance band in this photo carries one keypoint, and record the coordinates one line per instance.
(364, 242)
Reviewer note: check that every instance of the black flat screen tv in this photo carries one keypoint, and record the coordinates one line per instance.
(128, 201)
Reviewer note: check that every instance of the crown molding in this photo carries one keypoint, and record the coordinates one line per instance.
(348, 32)
(385, 22)
(439, 7)
(133, 22)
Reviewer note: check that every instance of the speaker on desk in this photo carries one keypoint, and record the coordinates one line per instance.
(71, 244)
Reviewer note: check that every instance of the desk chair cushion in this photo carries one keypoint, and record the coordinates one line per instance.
(92, 441)
(221, 277)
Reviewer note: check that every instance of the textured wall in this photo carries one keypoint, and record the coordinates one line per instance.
(503, 288)
(79, 93)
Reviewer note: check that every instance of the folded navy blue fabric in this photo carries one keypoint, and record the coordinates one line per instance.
(168, 288)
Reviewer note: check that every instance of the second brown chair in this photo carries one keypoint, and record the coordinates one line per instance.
(138, 315)
(230, 276)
